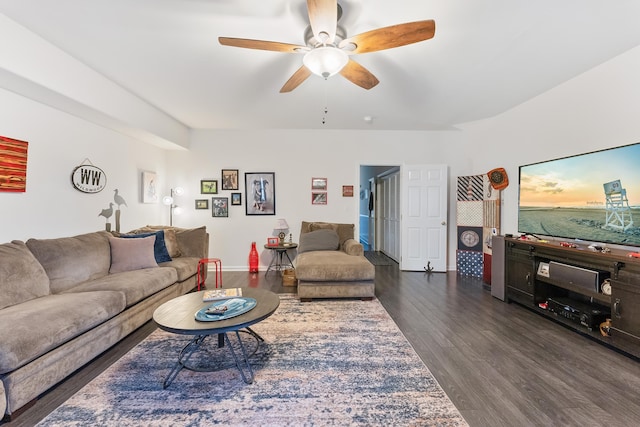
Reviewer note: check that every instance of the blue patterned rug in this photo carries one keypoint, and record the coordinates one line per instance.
(323, 363)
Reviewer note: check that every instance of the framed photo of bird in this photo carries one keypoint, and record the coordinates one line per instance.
(208, 186)
(260, 193)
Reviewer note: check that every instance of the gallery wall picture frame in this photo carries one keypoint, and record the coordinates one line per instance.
(229, 179)
(13, 165)
(319, 184)
(202, 204)
(208, 186)
(260, 193)
(219, 207)
(347, 191)
(149, 187)
(236, 199)
(318, 197)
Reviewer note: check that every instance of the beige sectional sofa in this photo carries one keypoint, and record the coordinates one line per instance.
(331, 264)
(64, 301)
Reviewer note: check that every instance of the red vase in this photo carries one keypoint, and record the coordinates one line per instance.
(253, 259)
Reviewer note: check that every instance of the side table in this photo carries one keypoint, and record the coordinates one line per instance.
(277, 263)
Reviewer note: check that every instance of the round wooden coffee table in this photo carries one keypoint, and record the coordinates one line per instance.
(178, 316)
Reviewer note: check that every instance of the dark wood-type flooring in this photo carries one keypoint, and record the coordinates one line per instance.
(501, 364)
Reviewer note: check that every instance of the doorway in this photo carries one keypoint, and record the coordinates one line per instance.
(380, 209)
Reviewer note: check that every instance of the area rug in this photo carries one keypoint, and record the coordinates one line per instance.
(323, 363)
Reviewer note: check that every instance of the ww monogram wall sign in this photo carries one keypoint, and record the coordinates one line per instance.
(88, 178)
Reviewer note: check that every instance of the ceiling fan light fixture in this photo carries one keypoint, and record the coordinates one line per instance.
(325, 61)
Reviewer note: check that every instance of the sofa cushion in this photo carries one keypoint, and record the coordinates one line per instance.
(328, 266)
(69, 261)
(345, 231)
(171, 240)
(193, 242)
(34, 327)
(22, 278)
(160, 252)
(185, 267)
(135, 285)
(323, 226)
(132, 254)
(320, 240)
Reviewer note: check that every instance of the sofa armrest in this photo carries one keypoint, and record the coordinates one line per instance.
(351, 247)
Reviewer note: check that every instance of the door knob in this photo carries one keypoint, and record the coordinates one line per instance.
(443, 223)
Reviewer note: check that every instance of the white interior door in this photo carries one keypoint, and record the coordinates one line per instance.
(424, 217)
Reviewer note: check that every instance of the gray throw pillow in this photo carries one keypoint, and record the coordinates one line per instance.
(132, 254)
(160, 251)
(319, 240)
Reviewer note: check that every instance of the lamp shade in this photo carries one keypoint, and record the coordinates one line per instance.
(281, 224)
(167, 200)
(325, 61)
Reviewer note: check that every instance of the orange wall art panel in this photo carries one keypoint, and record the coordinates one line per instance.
(13, 165)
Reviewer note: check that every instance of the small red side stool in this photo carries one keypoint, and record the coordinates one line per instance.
(202, 265)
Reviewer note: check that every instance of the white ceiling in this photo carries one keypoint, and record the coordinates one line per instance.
(487, 56)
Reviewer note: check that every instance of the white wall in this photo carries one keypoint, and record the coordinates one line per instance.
(58, 142)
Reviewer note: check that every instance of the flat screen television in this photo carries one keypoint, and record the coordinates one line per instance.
(593, 197)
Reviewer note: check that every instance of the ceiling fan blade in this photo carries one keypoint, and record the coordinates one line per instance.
(262, 45)
(359, 75)
(323, 16)
(296, 79)
(390, 37)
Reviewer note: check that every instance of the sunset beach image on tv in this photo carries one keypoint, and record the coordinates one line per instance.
(593, 197)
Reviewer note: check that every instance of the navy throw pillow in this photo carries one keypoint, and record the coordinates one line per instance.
(160, 251)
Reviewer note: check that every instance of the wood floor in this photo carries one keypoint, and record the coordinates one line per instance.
(500, 364)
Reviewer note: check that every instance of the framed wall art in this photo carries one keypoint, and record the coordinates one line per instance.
(318, 198)
(236, 199)
(219, 207)
(202, 204)
(319, 184)
(13, 165)
(260, 193)
(149, 189)
(347, 191)
(209, 186)
(229, 179)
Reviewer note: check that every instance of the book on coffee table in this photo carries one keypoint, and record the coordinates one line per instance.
(218, 294)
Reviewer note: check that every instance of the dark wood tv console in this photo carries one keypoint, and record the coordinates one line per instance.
(573, 288)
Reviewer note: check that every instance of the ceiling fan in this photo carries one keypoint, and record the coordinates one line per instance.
(328, 48)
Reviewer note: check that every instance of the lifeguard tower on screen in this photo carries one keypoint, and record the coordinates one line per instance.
(617, 208)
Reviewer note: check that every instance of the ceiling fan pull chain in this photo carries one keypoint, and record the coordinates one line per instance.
(326, 108)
